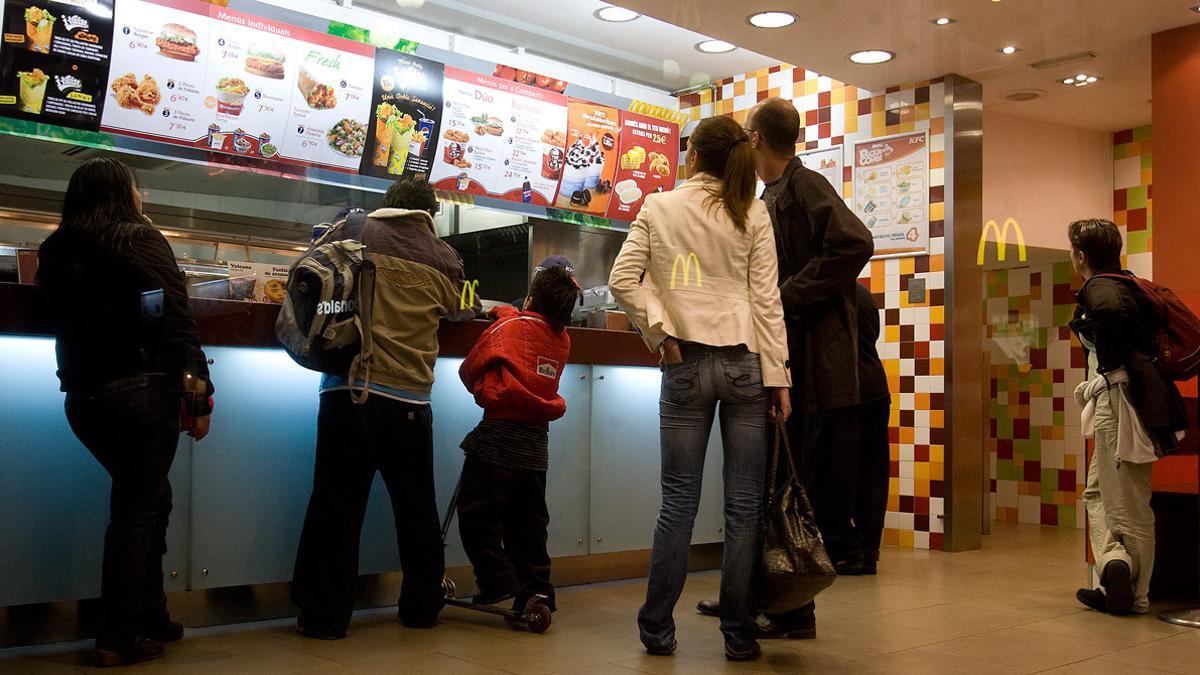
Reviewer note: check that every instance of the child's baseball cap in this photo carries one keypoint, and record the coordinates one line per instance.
(555, 261)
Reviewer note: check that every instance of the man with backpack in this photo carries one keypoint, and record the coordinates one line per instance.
(375, 414)
(1131, 408)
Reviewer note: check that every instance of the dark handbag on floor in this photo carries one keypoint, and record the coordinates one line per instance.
(795, 566)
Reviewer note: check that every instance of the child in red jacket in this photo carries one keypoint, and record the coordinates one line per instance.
(514, 371)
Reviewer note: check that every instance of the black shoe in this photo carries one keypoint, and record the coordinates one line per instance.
(709, 607)
(870, 568)
(491, 598)
(849, 568)
(769, 629)
(521, 602)
(1092, 598)
(169, 631)
(1117, 580)
(419, 624)
(746, 653)
(316, 632)
(662, 650)
(143, 650)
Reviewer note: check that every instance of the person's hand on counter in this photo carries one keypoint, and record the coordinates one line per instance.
(781, 404)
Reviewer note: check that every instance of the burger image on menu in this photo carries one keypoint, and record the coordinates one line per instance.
(265, 62)
(177, 41)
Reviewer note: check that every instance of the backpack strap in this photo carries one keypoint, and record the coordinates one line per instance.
(364, 323)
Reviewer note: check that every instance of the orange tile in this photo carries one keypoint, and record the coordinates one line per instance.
(937, 419)
(937, 366)
(937, 263)
(937, 454)
(937, 125)
(907, 539)
(891, 537)
(908, 435)
(922, 487)
(937, 160)
(923, 401)
(921, 473)
(937, 471)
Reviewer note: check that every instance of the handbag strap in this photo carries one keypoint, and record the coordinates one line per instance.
(780, 443)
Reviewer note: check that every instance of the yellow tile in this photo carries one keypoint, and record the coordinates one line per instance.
(891, 537)
(907, 540)
(937, 315)
(937, 211)
(908, 265)
(892, 333)
(921, 473)
(937, 454)
(739, 88)
(810, 87)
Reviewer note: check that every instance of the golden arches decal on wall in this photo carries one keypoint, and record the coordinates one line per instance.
(1001, 240)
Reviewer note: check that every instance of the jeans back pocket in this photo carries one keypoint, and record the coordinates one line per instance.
(681, 383)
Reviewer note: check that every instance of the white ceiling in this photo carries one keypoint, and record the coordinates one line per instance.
(828, 30)
(646, 51)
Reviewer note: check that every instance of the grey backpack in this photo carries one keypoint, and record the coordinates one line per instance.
(325, 322)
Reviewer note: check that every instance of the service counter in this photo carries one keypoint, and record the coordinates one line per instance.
(241, 493)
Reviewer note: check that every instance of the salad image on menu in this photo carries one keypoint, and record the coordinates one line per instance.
(54, 60)
(407, 114)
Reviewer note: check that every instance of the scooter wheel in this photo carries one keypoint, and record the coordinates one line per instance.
(537, 618)
(448, 587)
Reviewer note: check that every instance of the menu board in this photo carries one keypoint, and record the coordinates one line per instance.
(829, 163)
(53, 60)
(500, 138)
(891, 192)
(649, 153)
(190, 73)
(591, 160)
(258, 282)
(407, 114)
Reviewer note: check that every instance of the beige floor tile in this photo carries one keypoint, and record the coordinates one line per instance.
(927, 662)
(417, 664)
(1126, 631)
(1101, 667)
(70, 662)
(956, 619)
(1024, 648)
(1179, 653)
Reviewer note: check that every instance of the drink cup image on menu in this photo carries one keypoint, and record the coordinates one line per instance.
(178, 42)
(33, 90)
(403, 126)
(231, 95)
(420, 137)
(265, 62)
(384, 113)
(39, 28)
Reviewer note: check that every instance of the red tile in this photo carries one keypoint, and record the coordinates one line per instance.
(812, 118)
(1123, 137)
(1119, 199)
(1066, 480)
(1033, 471)
(864, 106)
(1050, 514)
(936, 541)
(1136, 220)
(824, 99)
(824, 130)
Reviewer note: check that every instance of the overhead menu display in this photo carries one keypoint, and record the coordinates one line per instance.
(407, 114)
(187, 72)
(591, 161)
(500, 138)
(891, 192)
(53, 60)
(649, 152)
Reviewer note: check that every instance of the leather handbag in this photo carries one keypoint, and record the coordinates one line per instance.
(794, 565)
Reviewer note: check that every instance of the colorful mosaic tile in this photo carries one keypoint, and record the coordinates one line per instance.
(913, 342)
(1133, 196)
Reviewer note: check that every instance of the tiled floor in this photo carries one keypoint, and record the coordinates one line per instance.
(1008, 608)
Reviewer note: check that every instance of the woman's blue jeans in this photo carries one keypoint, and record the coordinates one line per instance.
(691, 392)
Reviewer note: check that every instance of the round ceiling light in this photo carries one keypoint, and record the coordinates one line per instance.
(615, 14)
(1009, 50)
(1022, 95)
(943, 21)
(772, 19)
(715, 46)
(871, 57)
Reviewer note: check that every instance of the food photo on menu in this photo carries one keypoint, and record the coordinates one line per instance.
(53, 61)
(176, 41)
(406, 115)
(331, 99)
(645, 165)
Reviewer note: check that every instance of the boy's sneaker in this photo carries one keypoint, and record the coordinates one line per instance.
(662, 650)
(744, 653)
(521, 602)
(1117, 580)
(143, 650)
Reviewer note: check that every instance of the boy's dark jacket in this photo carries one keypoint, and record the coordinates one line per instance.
(1112, 315)
(515, 367)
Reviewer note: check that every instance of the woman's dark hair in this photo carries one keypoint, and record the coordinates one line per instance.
(778, 122)
(554, 294)
(1099, 241)
(100, 200)
(413, 193)
(723, 150)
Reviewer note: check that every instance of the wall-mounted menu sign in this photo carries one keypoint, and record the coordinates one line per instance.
(187, 72)
(407, 105)
(891, 192)
(500, 138)
(53, 60)
(649, 151)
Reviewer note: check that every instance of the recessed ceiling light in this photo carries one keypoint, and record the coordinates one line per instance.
(870, 57)
(1196, 8)
(615, 14)
(1009, 50)
(772, 19)
(715, 46)
(1081, 80)
(943, 21)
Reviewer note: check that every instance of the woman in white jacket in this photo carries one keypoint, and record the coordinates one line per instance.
(699, 278)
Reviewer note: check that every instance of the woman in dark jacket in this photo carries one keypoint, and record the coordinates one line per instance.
(130, 362)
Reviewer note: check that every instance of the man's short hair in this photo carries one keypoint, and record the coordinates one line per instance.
(554, 294)
(1099, 240)
(413, 193)
(778, 122)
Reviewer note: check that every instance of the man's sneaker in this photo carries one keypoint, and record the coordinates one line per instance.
(1092, 598)
(167, 631)
(491, 599)
(662, 650)
(849, 568)
(143, 650)
(709, 607)
(315, 632)
(1117, 580)
(870, 568)
(769, 629)
(745, 653)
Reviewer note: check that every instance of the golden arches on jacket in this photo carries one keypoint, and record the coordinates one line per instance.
(688, 262)
(1001, 240)
(466, 297)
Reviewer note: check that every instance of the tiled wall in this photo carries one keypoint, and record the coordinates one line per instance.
(1033, 363)
(913, 343)
(1133, 199)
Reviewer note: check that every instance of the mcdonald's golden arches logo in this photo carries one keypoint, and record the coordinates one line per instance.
(1001, 240)
(687, 262)
(466, 298)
